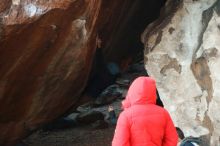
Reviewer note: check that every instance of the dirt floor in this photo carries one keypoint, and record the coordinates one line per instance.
(78, 136)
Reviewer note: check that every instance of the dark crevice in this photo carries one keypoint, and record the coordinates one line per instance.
(158, 39)
(126, 36)
(122, 43)
(206, 17)
(199, 66)
(167, 14)
(202, 73)
(217, 8)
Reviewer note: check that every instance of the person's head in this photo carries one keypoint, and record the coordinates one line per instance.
(180, 133)
(141, 91)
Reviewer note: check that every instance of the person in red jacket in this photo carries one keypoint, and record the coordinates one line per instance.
(143, 123)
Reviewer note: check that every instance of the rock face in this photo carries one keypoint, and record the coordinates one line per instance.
(42, 44)
(182, 54)
(46, 51)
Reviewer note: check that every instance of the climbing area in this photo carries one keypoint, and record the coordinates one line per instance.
(109, 73)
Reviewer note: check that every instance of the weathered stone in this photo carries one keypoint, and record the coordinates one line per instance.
(85, 107)
(182, 54)
(41, 46)
(110, 94)
(46, 51)
(4, 5)
(89, 117)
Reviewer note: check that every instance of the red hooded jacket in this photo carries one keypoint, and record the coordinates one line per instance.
(143, 123)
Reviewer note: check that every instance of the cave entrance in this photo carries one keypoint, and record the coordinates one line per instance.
(123, 41)
(120, 35)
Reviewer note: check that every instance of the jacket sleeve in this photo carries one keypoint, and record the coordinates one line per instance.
(122, 132)
(170, 135)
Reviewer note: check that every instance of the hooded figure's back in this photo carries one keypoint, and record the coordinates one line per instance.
(143, 123)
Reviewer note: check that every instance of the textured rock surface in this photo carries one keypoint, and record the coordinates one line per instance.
(46, 48)
(182, 53)
(42, 44)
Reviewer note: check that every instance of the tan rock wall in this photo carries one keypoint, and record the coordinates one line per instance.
(182, 53)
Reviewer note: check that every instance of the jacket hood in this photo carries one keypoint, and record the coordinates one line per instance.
(141, 91)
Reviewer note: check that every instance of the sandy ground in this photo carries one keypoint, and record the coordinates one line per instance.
(78, 136)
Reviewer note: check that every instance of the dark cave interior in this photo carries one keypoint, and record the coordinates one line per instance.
(123, 45)
(126, 42)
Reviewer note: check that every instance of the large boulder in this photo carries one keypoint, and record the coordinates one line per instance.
(43, 54)
(46, 52)
(182, 54)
